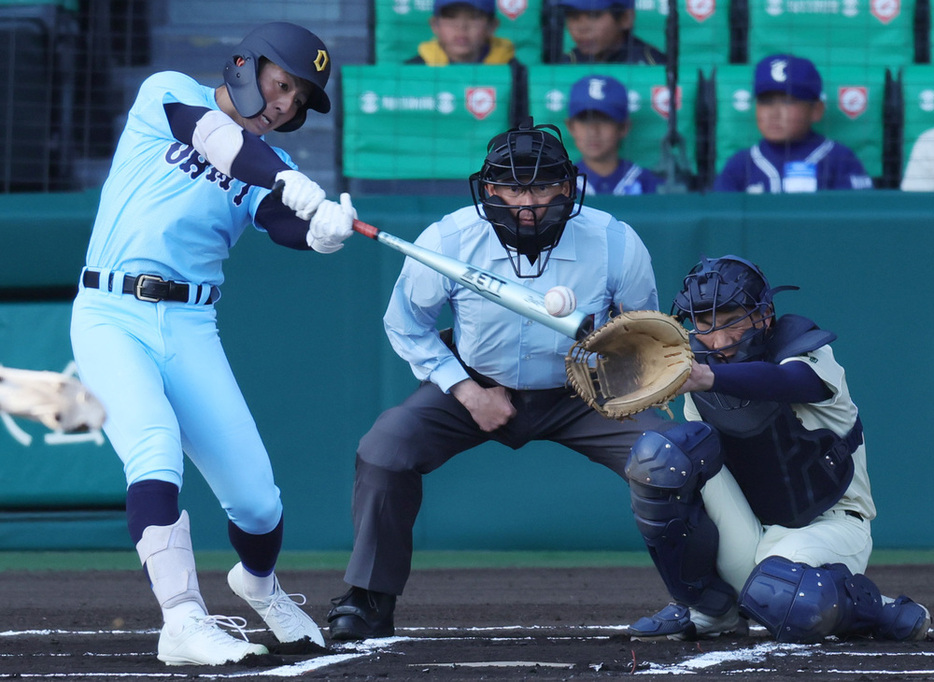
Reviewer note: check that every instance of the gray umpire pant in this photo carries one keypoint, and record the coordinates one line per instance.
(425, 431)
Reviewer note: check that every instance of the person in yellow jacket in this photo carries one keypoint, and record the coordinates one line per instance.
(464, 34)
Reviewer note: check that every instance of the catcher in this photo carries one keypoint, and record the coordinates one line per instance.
(767, 512)
(503, 377)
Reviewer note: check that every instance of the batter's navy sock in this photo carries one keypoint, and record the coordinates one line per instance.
(150, 503)
(258, 553)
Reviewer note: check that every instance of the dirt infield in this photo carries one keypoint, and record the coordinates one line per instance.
(472, 624)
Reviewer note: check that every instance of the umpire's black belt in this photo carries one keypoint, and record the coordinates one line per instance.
(150, 288)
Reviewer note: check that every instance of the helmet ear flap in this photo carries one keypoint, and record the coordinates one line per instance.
(240, 76)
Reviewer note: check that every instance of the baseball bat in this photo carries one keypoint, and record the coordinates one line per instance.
(511, 295)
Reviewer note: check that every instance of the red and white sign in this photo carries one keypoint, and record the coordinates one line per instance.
(481, 102)
(885, 10)
(701, 10)
(513, 8)
(853, 100)
(661, 101)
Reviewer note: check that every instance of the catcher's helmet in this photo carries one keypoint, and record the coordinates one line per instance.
(725, 285)
(296, 50)
(528, 156)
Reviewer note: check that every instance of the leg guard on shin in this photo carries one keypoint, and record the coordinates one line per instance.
(166, 553)
(800, 603)
(666, 472)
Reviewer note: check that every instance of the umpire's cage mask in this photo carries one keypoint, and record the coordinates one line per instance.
(529, 156)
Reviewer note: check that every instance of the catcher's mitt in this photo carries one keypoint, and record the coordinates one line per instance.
(58, 401)
(637, 360)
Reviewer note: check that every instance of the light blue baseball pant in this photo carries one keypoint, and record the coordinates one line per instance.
(162, 375)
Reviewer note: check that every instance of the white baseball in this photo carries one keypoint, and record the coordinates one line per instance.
(560, 301)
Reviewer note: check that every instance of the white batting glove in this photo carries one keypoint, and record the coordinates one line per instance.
(331, 225)
(300, 193)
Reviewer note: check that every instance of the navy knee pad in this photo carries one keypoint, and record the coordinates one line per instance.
(666, 472)
(801, 603)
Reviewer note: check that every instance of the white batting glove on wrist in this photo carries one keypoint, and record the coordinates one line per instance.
(300, 193)
(331, 225)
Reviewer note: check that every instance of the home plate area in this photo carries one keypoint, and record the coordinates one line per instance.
(465, 624)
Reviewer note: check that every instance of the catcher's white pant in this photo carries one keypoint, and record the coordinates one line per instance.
(162, 375)
(833, 537)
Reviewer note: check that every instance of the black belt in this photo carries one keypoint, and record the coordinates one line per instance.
(150, 288)
(854, 514)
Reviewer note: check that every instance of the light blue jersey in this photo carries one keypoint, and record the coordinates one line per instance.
(164, 210)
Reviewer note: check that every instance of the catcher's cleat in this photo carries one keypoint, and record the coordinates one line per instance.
(679, 622)
(903, 620)
(279, 611)
(200, 641)
(362, 614)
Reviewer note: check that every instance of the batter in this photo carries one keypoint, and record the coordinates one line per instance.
(190, 173)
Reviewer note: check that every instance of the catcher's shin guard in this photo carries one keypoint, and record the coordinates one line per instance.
(804, 604)
(166, 553)
(666, 472)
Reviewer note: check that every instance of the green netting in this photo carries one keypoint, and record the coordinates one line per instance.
(854, 32)
(918, 92)
(402, 24)
(421, 122)
(854, 111)
(703, 29)
(549, 87)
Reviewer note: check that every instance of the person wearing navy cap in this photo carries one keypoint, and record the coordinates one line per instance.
(598, 120)
(464, 34)
(602, 31)
(791, 156)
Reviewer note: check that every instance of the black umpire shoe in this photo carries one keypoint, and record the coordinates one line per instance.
(362, 614)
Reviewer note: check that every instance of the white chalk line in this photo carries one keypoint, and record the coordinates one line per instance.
(354, 650)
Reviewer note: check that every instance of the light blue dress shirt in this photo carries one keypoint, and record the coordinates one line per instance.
(602, 259)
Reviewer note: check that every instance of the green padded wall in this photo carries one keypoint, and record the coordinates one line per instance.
(421, 122)
(304, 335)
(550, 85)
(854, 32)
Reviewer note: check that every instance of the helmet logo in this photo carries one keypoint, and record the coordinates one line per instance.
(321, 61)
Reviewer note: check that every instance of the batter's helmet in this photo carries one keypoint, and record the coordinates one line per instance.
(527, 157)
(296, 50)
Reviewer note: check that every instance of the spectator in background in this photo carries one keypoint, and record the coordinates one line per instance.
(464, 35)
(919, 173)
(598, 120)
(602, 31)
(791, 156)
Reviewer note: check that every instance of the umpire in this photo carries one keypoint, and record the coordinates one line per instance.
(503, 377)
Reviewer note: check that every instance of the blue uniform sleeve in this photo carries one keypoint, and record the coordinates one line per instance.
(733, 177)
(256, 164)
(791, 382)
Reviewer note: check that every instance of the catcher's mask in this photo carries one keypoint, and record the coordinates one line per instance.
(529, 161)
(294, 49)
(722, 286)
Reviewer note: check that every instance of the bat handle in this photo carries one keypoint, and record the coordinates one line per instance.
(365, 229)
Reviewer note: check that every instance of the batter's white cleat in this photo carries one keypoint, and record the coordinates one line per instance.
(279, 611)
(201, 641)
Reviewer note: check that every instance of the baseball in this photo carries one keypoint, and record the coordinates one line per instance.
(560, 301)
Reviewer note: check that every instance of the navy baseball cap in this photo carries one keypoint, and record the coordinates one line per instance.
(795, 76)
(597, 5)
(488, 6)
(599, 93)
